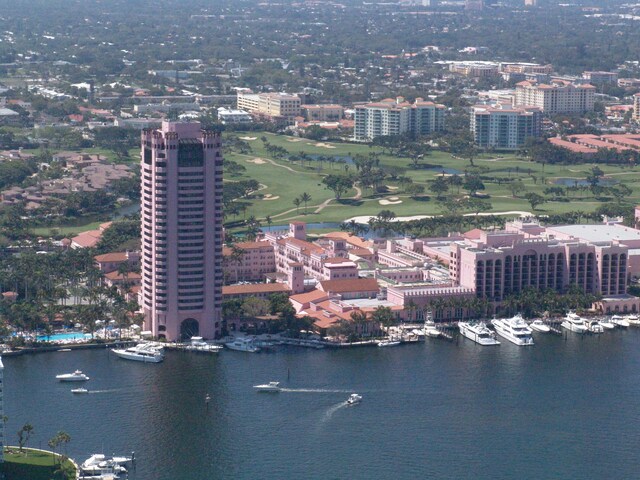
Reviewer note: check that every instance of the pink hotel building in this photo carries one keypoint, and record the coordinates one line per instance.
(181, 210)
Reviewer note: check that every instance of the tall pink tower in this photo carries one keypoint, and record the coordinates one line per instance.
(181, 210)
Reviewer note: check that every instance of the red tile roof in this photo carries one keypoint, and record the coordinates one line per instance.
(350, 285)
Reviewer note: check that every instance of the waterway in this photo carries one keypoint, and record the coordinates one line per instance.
(562, 409)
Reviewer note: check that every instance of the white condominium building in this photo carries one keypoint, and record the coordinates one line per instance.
(504, 127)
(397, 117)
(558, 97)
(270, 105)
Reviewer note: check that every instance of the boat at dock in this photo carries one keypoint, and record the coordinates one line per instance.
(539, 326)
(242, 345)
(76, 376)
(607, 324)
(354, 398)
(98, 466)
(271, 387)
(143, 352)
(199, 345)
(478, 332)
(390, 342)
(633, 320)
(620, 321)
(574, 323)
(594, 326)
(514, 329)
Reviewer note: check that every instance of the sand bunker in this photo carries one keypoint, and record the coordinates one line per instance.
(321, 145)
(248, 138)
(390, 187)
(268, 196)
(257, 161)
(294, 139)
(389, 202)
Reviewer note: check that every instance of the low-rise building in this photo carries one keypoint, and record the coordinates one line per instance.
(272, 106)
(229, 116)
(557, 97)
(248, 261)
(322, 113)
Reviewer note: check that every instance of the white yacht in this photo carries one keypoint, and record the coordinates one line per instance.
(595, 327)
(514, 329)
(79, 390)
(607, 324)
(199, 345)
(143, 352)
(430, 329)
(76, 376)
(242, 345)
(574, 323)
(539, 326)
(354, 398)
(390, 342)
(478, 332)
(633, 320)
(620, 321)
(99, 466)
(268, 387)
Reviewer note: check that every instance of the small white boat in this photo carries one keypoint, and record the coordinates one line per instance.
(76, 376)
(607, 324)
(388, 343)
(633, 320)
(595, 327)
(539, 326)
(242, 345)
(478, 332)
(64, 350)
(430, 329)
(79, 390)
(268, 387)
(574, 323)
(98, 466)
(143, 352)
(354, 398)
(199, 345)
(620, 321)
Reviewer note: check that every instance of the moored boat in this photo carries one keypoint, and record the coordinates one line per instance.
(478, 332)
(514, 329)
(595, 327)
(607, 324)
(574, 323)
(633, 320)
(242, 345)
(143, 352)
(620, 321)
(539, 326)
(390, 342)
(76, 376)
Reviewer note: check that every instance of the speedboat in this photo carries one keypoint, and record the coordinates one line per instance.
(79, 390)
(633, 320)
(620, 321)
(607, 324)
(514, 329)
(242, 345)
(391, 342)
(539, 326)
(574, 323)
(268, 387)
(143, 352)
(595, 327)
(76, 376)
(478, 332)
(354, 398)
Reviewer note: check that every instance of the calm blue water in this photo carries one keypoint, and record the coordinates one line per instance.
(571, 182)
(558, 410)
(63, 336)
(448, 171)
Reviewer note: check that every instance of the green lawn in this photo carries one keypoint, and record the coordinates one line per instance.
(67, 231)
(31, 465)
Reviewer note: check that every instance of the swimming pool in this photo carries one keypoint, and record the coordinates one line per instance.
(64, 336)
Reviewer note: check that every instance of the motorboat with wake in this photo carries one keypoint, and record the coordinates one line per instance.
(574, 323)
(142, 352)
(478, 332)
(76, 376)
(271, 387)
(354, 398)
(514, 329)
(79, 390)
(539, 326)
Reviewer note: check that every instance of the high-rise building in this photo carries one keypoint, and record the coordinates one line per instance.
(636, 107)
(1, 411)
(397, 117)
(504, 127)
(558, 97)
(181, 212)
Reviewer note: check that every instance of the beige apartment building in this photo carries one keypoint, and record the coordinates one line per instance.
(636, 107)
(273, 106)
(322, 113)
(558, 97)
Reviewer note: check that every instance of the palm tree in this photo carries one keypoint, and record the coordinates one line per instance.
(305, 197)
(269, 221)
(297, 202)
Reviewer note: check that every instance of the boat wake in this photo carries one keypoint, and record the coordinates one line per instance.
(104, 391)
(313, 390)
(331, 410)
